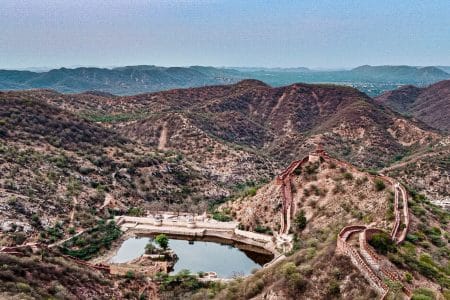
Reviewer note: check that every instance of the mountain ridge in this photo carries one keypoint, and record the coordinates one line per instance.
(129, 80)
(430, 104)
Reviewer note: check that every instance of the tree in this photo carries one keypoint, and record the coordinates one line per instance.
(162, 240)
(300, 220)
(382, 243)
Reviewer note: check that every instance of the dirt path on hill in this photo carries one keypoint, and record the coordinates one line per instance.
(404, 163)
(72, 213)
(163, 137)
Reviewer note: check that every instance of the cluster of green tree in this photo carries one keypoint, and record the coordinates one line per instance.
(88, 244)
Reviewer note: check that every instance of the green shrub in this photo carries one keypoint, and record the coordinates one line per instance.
(382, 243)
(150, 248)
(251, 191)
(379, 185)
(300, 220)
(23, 287)
(413, 238)
(263, 229)
(333, 288)
(408, 277)
(182, 281)
(423, 294)
(35, 221)
(130, 275)
(347, 176)
(254, 288)
(418, 210)
(311, 168)
(437, 241)
(136, 212)
(88, 244)
(220, 216)
(19, 238)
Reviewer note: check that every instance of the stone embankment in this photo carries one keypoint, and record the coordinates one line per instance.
(401, 213)
(345, 248)
(288, 205)
(146, 270)
(181, 225)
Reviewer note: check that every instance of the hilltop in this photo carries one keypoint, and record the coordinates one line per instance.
(431, 104)
(327, 196)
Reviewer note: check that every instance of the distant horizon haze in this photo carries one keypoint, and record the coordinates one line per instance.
(282, 33)
(321, 69)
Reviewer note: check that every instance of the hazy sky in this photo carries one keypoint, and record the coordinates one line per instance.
(315, 33)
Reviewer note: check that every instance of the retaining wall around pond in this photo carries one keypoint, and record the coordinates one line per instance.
(223, 230)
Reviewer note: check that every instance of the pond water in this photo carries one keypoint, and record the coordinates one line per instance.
(196, 256)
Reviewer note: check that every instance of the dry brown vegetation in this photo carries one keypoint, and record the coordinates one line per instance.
(430, 104)
(49, 276)
(325, 192)
(331, 197)
(58, 168)
(67, 161)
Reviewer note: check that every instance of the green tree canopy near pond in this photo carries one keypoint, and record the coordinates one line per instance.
(162, 240)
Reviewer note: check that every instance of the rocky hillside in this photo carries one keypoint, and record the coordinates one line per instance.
(280, 123)
(329, 194)
(430, 105)
(69, 160)
(25, 275)
(426, 171)
(56, 166)
(226, 131)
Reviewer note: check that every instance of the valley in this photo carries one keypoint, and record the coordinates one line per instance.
(224, 150)
(338, 187)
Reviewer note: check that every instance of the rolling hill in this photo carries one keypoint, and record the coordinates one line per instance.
(131, 80)
(280, 123)
(69, 161)
(431, 104)
(57, 167)
(225, 131)
(121, 81)
(328, 194)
